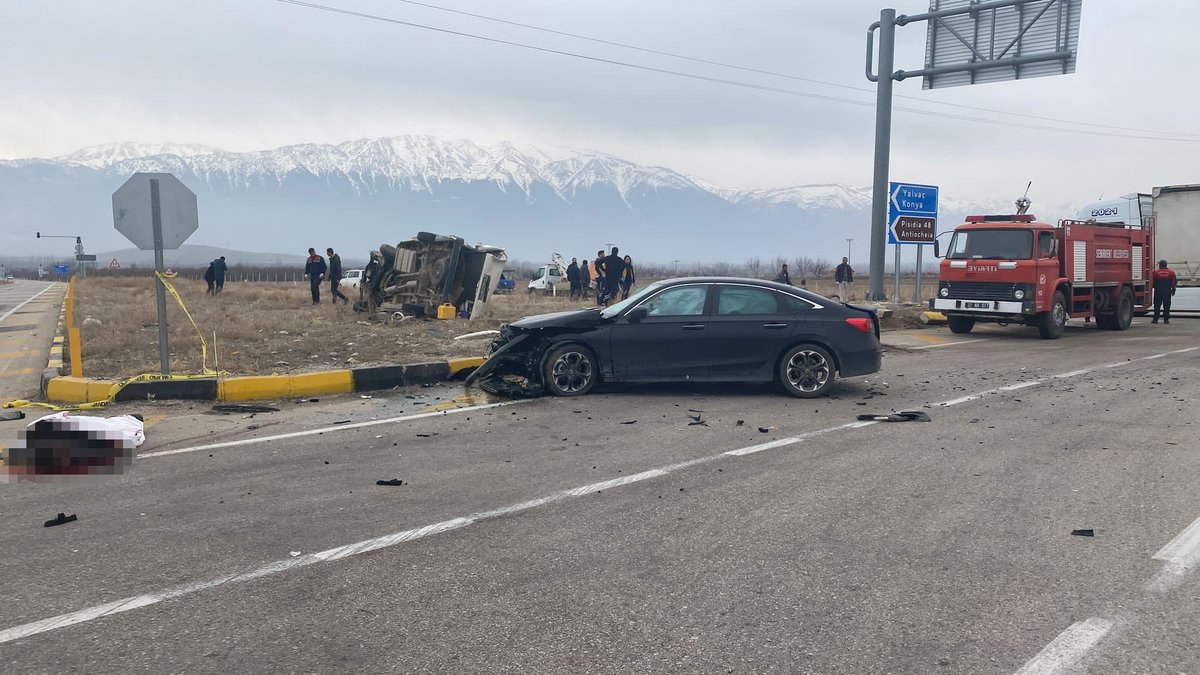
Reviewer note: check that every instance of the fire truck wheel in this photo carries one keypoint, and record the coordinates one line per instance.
(1124, 316)
(1051, 324)
(960, 324)
(1106, 322)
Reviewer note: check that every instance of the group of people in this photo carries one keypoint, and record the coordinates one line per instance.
(214, 276)
(613, 275)
(316, 270)
(843, 274)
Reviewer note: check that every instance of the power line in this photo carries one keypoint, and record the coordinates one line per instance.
(772, 73)
(718, 80)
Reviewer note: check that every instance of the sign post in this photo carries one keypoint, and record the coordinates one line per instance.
(155, 211)
(912, 219)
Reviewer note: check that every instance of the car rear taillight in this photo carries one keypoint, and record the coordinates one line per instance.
(861, 323)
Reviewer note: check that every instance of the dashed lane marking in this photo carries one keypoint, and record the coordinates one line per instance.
(1068, 649)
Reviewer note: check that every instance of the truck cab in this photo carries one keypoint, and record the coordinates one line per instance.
(1012, 269)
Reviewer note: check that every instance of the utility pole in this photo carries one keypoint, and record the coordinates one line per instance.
(676, 272)
(883, 147)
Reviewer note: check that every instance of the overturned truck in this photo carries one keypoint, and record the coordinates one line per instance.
(419, 275)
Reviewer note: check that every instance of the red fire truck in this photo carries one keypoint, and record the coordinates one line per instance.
(1012, 269)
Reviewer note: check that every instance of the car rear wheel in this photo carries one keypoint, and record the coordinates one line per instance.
(806, 371)
(570, 370)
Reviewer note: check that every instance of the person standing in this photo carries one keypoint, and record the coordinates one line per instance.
(219, 268)
(784, 277)
(614, 269)
(573, 277)
(627, 278)
(1165, 284)
(314, 271)
(601, 274)
(210, 278)
(844, 276)
(335, 276)
(585, 279)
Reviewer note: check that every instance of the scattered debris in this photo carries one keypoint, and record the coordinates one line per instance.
(365, 396)
(902, 416)
(477, 334)
(6, 415)
(62, 519)
(294, 553)
(630, 422)
(243, 408)
(342, 422)
(763, 430)
(394, 482)
(740, 423)
(1083, 533)
(309, 400)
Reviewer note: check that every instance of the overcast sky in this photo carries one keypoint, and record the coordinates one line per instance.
(254, 74)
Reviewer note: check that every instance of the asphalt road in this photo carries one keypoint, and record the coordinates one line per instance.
(28, 316)
(607, 534)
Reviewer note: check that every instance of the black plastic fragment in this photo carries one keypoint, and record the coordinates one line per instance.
(394, 482)
(1083, 533)
(62, 519)
(902, 416)
(243, 408)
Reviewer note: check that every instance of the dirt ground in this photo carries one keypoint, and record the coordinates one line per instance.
(265, 328)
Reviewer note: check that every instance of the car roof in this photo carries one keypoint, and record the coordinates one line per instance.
(745, 281)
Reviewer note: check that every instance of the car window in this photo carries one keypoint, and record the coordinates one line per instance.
(736, 300)
(678, 301)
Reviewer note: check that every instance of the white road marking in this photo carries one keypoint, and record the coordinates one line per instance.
(326, 430)
(1073, 373)
(1181, 555)
(1065, 651)
(26, 302)
(951, 344)
(1020, 385)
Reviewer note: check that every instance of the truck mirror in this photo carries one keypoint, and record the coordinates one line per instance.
(937, 249)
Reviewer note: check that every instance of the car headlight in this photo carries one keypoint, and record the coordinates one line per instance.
(1019, 294)
(945, 292)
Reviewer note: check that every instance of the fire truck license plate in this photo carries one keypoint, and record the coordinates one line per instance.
(977, 305)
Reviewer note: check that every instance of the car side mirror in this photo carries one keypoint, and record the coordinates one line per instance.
(937, 248)
(637, 314)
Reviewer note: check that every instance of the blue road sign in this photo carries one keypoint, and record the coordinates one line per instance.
(912, 213)
(62, 269)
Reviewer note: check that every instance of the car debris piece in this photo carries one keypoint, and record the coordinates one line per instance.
(309, 400)
(740, 423)
(243, 408)
(61, 519)
(394, 482)
(902, 416)
(477, 334)
(630, 422)
(6, 415)
(342, 422)
(763, 430)
(1083, 533)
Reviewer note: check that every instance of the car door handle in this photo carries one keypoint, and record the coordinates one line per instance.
(693, 326)
(775, 325)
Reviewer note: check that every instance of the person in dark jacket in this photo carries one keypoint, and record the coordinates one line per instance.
(314, 271)
(784, 277)
(627, 278)
(219, 268)
(1165, 284)
(585, 279)
(210, 278)
(614, 269)
(335, 276)
(573, 277)
(599, 272)
(844, 276)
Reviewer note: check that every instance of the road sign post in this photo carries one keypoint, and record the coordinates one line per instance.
(912, 219)
(155, 211)
(967, 42)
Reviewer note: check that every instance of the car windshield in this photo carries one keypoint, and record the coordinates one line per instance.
(632, 300)
(1003, 244)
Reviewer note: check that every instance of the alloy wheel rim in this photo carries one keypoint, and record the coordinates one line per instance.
(808, 370)
(571, 372)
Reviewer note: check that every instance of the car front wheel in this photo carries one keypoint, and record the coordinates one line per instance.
(570, 370)
(806, 371)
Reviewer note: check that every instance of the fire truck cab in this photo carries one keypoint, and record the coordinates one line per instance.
(1011, 269)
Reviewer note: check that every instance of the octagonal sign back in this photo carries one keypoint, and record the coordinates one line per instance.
(133, 215)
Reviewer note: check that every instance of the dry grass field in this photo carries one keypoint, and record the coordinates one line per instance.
(264, 328)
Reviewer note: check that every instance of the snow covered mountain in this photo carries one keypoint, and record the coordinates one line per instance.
(357, 194)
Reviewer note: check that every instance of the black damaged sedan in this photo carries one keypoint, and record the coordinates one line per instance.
(688, 330)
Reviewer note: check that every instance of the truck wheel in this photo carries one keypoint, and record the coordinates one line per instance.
(1106, 322)
(570, 370)
(1124, 316)
(1052, 323)
(960, 324)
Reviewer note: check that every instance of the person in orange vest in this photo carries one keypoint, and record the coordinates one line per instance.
(1164, 287)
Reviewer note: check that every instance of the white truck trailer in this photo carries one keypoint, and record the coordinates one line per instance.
(1175, 210)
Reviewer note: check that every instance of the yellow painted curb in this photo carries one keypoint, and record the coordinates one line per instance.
(932, 317)
(77, 390)
(276, 386)
(459, 365)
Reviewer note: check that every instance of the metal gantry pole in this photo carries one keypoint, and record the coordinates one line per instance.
(883, 143)
(160, 291)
